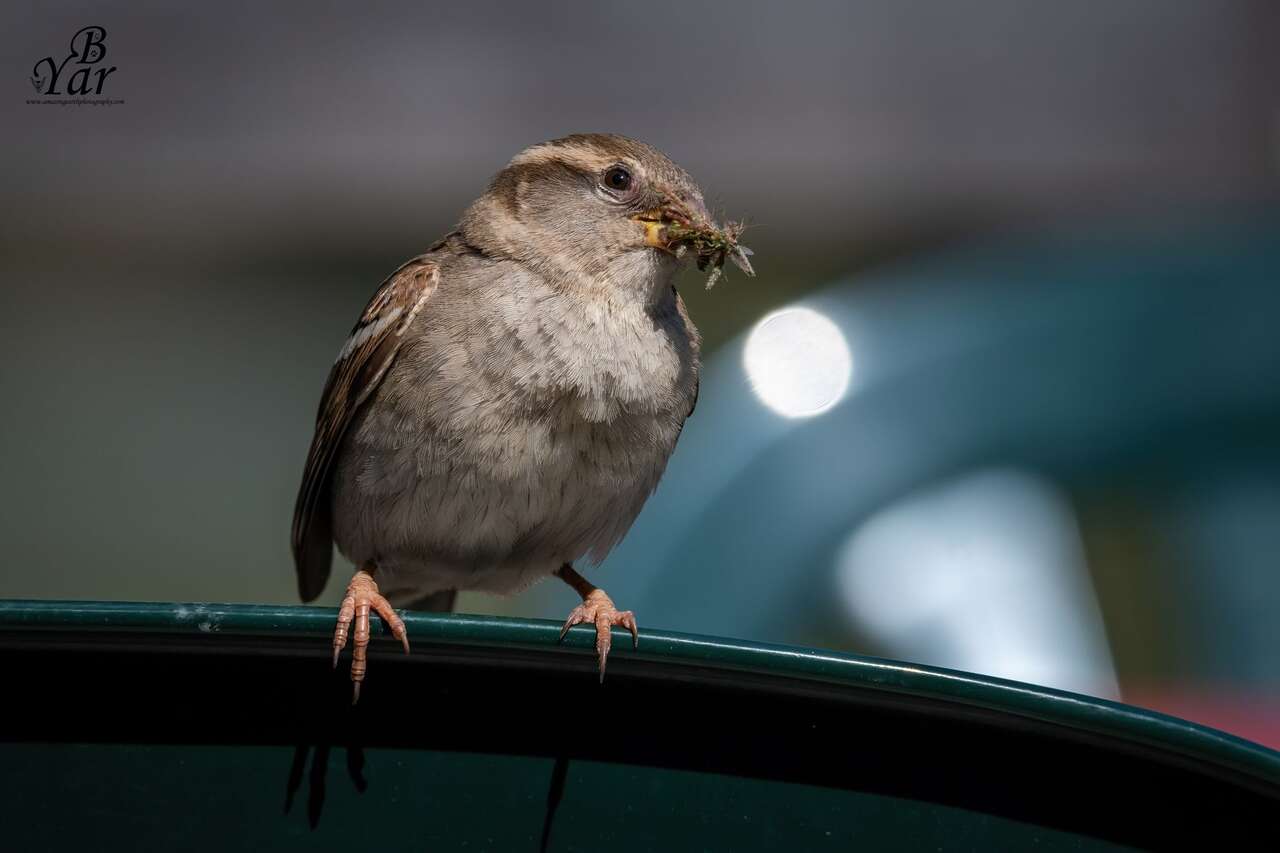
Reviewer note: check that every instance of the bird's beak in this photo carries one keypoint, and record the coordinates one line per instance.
(655, 231)
(678, 227)
(657, 221)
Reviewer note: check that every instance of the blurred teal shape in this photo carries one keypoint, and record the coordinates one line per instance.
(983, 572)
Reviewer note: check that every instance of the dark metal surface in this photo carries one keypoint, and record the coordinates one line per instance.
(147, 725)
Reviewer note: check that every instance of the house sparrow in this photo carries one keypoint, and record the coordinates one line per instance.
(509, 399)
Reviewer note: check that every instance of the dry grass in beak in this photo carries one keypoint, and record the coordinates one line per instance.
(712, 247)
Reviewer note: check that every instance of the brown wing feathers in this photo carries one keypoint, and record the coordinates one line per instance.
(363, 361)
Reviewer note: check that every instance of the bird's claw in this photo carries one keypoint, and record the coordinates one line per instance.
(598, 609)
(362, 597)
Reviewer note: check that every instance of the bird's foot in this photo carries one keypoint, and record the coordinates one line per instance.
(597, 609)
(363, 596)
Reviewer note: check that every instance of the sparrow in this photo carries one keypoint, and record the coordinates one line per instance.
(509, 399)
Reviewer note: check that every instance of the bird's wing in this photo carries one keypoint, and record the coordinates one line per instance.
(363, 361)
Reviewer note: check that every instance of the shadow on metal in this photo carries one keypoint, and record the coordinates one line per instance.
(137, 725)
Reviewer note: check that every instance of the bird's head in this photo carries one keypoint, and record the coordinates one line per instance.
(598, 208)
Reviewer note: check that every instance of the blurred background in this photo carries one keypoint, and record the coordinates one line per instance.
(1004, 396)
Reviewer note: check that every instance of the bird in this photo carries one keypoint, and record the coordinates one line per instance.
(509, 399)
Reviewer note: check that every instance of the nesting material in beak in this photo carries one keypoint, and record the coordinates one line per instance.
(675, 228)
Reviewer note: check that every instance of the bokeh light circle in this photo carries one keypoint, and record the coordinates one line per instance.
(798, 362)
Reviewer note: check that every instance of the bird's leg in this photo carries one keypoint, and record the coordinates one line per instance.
(363, 596)
(596, 608)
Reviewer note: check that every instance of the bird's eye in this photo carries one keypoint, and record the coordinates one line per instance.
(617, 178)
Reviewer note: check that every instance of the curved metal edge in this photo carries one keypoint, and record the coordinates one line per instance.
(1097, 716)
